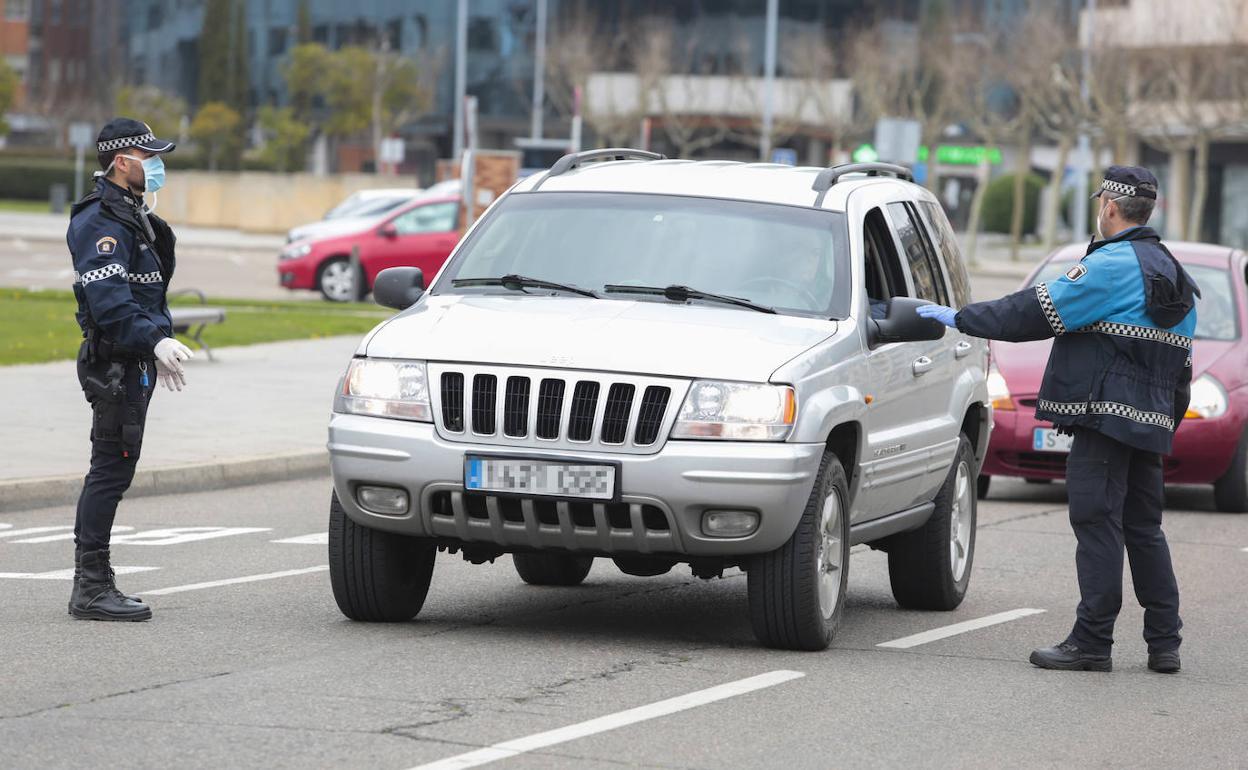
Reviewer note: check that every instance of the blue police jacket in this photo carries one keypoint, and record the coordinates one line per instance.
(1123, 319)
(123, 261)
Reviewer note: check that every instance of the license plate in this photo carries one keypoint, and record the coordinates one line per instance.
(540, 477)
(1049, 440)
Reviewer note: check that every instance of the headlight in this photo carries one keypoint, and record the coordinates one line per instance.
(1208, 398)
(385, 388)
(736, 410)
(998, 390)
(297, 250)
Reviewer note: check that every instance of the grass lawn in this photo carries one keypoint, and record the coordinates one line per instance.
(26, 207)
(40, 326)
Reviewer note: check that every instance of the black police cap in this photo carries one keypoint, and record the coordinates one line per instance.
(123, 133)
(1131, 181)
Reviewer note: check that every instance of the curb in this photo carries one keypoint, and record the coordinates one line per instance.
(48, 491)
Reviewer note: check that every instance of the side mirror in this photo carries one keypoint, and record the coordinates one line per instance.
(903, 324)
(388, 230)
(398, 287)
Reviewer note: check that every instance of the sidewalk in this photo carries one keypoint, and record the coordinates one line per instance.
(992, 256)
(257, 413)
(51, 227)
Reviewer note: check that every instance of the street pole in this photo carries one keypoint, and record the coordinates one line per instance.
(1079, 217)
(78, 171)
(461, 77)
(769, 78)
(539, 73)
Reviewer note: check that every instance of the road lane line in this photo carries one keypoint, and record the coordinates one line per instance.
(236, 581)
(68, 574)
(31, 531)
(4, 526)
(65, 536)
(611, 721)
(945, 632)
(316, 538)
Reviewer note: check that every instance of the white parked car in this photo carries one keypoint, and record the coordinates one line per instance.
(355, 213)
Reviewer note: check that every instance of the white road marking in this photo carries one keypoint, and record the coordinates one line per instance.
(4, 526)
(944, 632)
(611, 721)
(64, 536)
(179, 535)
(316, 538)
(68, 574)
(32, 531)
(236, 581)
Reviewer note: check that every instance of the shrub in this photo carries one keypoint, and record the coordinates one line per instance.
(999, 203)
(32, 178)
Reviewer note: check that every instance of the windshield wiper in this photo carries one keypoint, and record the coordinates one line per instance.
(521, 282)
(684, 294)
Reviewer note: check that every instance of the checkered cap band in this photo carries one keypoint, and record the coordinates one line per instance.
(1118, 187)
(124, 142)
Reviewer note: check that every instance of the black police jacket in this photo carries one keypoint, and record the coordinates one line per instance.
(123, 261)
(1123, 319)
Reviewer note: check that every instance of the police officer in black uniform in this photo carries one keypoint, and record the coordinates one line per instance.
(123, 260)
(1118, 379)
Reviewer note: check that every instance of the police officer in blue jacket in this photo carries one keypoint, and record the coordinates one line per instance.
(123, 259)
(1118, 379)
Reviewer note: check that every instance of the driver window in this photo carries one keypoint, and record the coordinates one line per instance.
(884, 276)
(434, 218)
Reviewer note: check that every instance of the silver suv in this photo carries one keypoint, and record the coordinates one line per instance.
(662, 362)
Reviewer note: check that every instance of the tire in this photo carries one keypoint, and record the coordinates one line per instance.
(982, 484)
(330, 277)
(792, 604)
(377, 576)
(552, 569)
(1230, 492)
(922, 567)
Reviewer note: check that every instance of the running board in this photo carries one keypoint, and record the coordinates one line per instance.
(892, 524)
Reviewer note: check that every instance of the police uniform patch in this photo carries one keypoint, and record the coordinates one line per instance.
(1077, 272)
(106, 245)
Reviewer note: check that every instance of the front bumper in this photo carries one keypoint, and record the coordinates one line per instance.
(297, 273)
(662, 496)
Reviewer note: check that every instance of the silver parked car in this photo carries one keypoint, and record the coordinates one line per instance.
(663, 362)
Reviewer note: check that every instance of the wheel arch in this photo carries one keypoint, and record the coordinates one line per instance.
(977, 427)
(845, 441)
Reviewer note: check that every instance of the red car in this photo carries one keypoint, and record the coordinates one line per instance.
(421, 233)
(1211, 446)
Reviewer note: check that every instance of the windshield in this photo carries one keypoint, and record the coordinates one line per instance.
(793, 259)
(1216, 317)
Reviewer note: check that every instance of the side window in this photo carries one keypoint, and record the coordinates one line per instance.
(942, 231)
(883, 264)
(433, 218)
(929, 283)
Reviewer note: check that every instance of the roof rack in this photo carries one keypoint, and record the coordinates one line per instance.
(575, 159)
(830, 176)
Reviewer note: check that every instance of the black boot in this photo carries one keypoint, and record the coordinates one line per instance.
(78, 576)
(95, 595)
(1164, 662)
(1068, 657)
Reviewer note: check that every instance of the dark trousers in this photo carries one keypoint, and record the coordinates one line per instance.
(114, 456)
(1116, 498)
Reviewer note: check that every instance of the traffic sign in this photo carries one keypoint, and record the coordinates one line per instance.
(785, 156)
(80, 134)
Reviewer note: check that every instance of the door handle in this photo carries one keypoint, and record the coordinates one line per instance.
(962, 349)
(921, 366)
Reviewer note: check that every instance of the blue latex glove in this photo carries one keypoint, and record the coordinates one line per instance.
(945, 315)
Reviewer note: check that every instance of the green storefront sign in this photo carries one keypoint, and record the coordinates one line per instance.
(946, 154)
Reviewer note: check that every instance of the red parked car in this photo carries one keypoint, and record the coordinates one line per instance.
(421, 233)
(1211, 446)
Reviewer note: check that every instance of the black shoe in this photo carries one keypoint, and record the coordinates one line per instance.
(96, 597)
(78, 576)
(1068, 657)
(1164, 662)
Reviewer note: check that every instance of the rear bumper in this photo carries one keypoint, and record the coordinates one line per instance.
(663, 496)
(1201, 454)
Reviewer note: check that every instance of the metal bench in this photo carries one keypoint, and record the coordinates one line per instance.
(191, 321)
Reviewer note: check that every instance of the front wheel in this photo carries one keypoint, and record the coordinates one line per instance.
(1231, 491)
(930, 567)
(377, 576)
(336, 280)
(797, 592)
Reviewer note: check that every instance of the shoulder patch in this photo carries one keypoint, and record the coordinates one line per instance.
(106, 245)
(1077, 272)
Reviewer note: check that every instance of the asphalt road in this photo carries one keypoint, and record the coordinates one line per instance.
(268, 673)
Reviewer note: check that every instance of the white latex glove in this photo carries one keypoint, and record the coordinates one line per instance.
(169, 357)
(171, 380)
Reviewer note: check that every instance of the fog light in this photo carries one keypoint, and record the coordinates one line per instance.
(387, 500)
(729, 523)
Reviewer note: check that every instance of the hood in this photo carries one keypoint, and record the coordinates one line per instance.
(602, 335)
(331, 227)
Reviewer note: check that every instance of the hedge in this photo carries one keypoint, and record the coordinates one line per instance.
(999, 203)
(32, 179)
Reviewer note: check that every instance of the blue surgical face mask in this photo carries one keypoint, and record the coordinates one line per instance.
(153, 172)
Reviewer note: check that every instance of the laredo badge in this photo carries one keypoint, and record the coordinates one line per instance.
(106, 245)
(1077, 272)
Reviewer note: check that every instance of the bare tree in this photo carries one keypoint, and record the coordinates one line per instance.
(812, 60)
(669, 88)
(581, 50)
